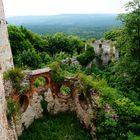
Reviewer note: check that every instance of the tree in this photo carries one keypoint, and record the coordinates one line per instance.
(18, 40)
(126, 71)
(29, 58)
(86, 57)
(59, 42)
(112, 34)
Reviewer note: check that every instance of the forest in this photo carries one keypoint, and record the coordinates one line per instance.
(118, 81)
(82, 25)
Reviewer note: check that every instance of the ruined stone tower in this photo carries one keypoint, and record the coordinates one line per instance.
(6, 60)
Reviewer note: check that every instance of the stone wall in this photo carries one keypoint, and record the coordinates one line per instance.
(6, 60)
(30, 101)
(33, 111)
(6, 131)
(106, 50)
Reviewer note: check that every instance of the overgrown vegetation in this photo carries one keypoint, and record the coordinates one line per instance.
(12, 108)
(15, 76)
(63, 126)
(40, 82)
(127, 112)
(124, 74)
(65, 90)
(86, 57)
(58, 73)
(33, 51)
(118, 111)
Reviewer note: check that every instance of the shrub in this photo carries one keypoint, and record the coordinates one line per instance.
(106, 126)
(58, 75)
(12, 108)
(15, 76)
(87, 56)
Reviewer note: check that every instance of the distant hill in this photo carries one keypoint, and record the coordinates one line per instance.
(83, 25)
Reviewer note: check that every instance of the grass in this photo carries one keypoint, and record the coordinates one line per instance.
(63, 126)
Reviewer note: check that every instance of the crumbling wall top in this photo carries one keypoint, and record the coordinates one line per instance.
(40, 71)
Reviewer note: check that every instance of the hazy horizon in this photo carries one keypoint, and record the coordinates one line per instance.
(63, 14)
(58, 7)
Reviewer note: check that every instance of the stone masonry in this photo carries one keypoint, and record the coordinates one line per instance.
(31, 109)
(106, 50)
(6, 62)
(3, 119)
(30, 101)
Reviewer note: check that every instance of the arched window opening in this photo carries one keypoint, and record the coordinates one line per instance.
(24, 102)
(83, 101)
(40, 82)
(65, 90)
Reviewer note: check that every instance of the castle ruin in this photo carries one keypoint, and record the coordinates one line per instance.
(30, 101)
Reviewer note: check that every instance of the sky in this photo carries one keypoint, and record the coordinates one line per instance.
(55, 7)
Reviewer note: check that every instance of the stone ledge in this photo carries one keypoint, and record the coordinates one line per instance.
(40, 71)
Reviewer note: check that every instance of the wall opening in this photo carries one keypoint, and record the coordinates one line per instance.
(40, 82)
(65, 90)
(100, 46)
(83, 101)
(24, 102)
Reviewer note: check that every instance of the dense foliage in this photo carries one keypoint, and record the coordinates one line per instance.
(33, 51)
(86, 57)
(118, 113)
(126, 113)
(124, 74)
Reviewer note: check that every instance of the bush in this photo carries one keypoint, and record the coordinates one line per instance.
(58, 75)
(12, 108)
(86, 57)
(106, 126)
(15, 76)
(29, 59)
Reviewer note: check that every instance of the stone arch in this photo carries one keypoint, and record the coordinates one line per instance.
(24, 102)
(40, 81)
(44, 73)
(69, 86)
(41, 88)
